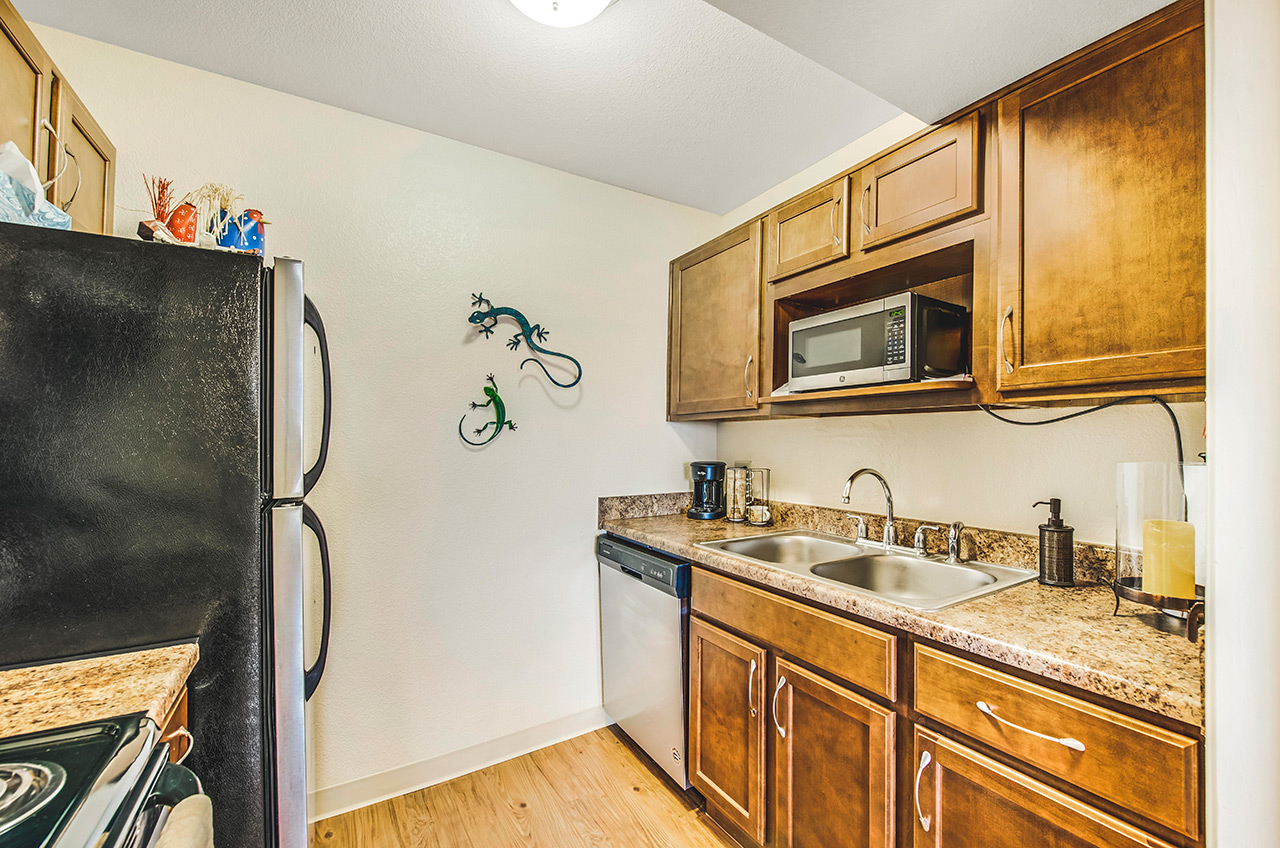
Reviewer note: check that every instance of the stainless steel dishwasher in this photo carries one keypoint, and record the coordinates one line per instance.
(644, 637)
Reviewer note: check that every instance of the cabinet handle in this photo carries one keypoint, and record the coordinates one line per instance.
(185, 734)
(866, 213)
(925, 759)
(1067, 742)
(835, 228)
(782, 681)
(746, 376)
(1008, 364)
(751, 683)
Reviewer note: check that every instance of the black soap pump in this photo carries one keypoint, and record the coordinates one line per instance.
(1057, 547)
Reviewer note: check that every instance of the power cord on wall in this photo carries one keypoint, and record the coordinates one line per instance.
(1177, 431)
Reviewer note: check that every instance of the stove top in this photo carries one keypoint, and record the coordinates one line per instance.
(65, 786)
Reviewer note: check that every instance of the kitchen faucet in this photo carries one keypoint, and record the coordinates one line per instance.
(890, 533)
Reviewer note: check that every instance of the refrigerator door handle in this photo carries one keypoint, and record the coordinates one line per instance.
(312, 675)
(311, 317)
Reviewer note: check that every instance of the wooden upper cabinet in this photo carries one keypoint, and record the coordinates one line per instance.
(87, 183)
(833, 764)
(24, 81)
(809, 231)
(727, 725)
(1102, 210)
(928, 182)
(714, 342)
(965, 800)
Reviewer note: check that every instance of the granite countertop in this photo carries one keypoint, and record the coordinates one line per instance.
(43, 697)
(1068, 635)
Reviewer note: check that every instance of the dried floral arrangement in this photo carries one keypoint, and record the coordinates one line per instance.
(210, 201)
(160, 192)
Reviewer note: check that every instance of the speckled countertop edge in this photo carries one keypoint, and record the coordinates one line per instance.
(44, 697)
(1066, 635)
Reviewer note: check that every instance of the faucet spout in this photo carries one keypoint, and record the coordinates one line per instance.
(890, 532)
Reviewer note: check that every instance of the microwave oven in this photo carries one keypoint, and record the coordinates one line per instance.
(897, 339)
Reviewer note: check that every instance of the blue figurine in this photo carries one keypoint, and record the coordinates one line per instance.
(245, 232)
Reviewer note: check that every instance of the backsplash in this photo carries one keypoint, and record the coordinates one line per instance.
(1094, 563)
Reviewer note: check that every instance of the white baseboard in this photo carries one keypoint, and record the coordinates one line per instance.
(402, 780)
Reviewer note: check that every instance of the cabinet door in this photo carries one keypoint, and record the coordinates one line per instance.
(1102, 207)
(926, 183)
(726, 725)
(24, 75)
(832, 764)
(809, 231)
(714, 357)
(88, 182)
(965, 800)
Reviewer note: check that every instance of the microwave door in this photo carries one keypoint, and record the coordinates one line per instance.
(844, 348)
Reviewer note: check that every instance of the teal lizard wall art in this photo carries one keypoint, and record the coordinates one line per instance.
(499, 416)
(486, 318)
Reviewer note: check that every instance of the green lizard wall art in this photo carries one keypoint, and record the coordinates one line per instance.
(486, 318)
(499, 416)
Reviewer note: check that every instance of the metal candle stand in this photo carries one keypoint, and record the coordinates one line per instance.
(1130, 589)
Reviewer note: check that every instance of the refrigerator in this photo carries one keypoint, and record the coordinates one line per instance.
(152, 491)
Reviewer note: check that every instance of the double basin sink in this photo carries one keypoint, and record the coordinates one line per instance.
(920, 583)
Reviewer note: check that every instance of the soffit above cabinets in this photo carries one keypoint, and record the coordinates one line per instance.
(931, 58)
(671, 98)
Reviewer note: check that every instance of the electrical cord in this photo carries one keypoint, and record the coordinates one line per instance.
(1177, 431)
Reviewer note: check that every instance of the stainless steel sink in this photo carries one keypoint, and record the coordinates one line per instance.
(789, 547)
(897, 575)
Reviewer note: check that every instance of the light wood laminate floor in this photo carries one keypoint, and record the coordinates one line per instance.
(591, 791)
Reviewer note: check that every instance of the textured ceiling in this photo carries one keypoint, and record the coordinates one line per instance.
(672, 98)
(933, 57)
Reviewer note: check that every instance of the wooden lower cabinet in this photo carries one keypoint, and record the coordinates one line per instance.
(833, 757)
(727, 725)
(965, 800)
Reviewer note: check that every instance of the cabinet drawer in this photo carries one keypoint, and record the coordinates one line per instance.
(928, 182)
(965, 799)
(809, 231)
(1144, 768)
(862, 655)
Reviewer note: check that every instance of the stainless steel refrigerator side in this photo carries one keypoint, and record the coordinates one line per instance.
(287, 380)
(289, 750)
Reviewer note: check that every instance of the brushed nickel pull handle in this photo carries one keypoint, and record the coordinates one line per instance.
(782, 681)
(751, 683)
(1066, 741)
(1008, 364)
(835, 228)
(746, 376)
(866, 213)
(925, 821)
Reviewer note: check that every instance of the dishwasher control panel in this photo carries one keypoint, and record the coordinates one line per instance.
(659, 570)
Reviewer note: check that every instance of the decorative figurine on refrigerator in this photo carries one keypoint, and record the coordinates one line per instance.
(499, 416)
(486, 317)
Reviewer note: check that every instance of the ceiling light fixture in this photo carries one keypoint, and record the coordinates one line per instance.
(561, 13)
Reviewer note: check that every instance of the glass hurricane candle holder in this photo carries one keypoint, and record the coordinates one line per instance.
(1160, 524)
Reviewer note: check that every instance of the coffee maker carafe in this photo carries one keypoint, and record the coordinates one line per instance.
(708, 490)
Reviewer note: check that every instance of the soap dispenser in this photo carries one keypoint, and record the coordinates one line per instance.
(1057, 547)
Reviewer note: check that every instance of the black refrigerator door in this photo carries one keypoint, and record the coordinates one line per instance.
(131, 511)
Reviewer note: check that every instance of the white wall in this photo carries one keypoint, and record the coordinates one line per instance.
(1243, 640)
(951, 466)
(465, 588)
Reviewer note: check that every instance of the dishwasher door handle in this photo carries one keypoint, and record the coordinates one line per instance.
(631, 572)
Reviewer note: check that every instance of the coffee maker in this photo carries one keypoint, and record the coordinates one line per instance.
(708, 490)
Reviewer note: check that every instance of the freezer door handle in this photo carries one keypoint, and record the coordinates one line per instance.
(313, 674)
(311, 317)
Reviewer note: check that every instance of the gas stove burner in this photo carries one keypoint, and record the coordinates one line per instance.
(25, 788)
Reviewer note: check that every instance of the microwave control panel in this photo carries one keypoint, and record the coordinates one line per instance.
(896, 337)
